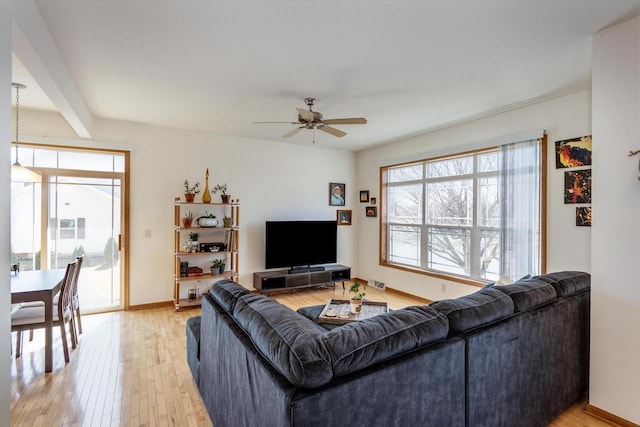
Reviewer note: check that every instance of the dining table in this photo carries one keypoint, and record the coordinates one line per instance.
(39, 285)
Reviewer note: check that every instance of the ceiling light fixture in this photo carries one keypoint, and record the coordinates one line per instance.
(20, 173)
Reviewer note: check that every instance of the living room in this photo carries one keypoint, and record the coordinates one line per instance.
(276, 180)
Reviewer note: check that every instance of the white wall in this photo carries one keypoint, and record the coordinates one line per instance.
(568, 246)
(615, 287)
(5, 161)
(272, 180)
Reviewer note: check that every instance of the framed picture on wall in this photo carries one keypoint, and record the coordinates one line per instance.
(337, 194)
(577, 186)
(344, 217)
(373, 200)
(583, 217)
(572, 153)
(371, 211)
(364, 196)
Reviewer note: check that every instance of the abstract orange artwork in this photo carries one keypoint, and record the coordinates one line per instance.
(571, 153)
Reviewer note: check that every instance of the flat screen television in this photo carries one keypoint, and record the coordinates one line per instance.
(300, 243)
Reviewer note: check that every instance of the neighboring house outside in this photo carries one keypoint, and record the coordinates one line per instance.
(86, 217)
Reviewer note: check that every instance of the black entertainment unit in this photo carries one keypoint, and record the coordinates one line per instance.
(278, 280)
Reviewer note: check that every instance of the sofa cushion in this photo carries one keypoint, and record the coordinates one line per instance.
(471, 311)
(226, 292)
(357, 345)
(290, 342)
(567, 283)
(529, 293)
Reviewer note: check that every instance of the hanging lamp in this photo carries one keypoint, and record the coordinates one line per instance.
(20, 173)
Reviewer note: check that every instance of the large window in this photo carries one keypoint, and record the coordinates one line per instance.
(475, 215)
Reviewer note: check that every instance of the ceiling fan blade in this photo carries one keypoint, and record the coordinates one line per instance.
(332, 131)
(346, 121)
(262, 123)
(293, 132)
(305, 114)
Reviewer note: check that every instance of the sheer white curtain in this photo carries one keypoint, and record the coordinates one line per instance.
(520, 199)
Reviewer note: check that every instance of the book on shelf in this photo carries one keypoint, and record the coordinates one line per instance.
(195, 271)
(184, 269)
(230, 240)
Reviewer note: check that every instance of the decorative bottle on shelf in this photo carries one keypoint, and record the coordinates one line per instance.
(206, 195)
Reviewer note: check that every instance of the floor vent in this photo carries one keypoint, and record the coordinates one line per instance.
(376, 284)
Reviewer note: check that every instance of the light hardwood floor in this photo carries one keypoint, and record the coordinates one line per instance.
(130, 369)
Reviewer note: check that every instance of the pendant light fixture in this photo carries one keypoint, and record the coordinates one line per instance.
(20, 173)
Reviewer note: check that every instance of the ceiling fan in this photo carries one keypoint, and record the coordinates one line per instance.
(309, 119)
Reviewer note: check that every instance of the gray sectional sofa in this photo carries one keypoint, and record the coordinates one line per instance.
(514, 355)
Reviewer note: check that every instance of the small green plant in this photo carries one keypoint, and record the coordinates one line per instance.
(217, 263)
(227, 218)
(355, 290)
(208, 215)
(193, 236)
(220, 188)
(189, 214)
(191, 190)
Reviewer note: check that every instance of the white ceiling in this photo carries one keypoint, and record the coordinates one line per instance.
(409, 67)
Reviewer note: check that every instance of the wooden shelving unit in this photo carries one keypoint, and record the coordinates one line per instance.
(227, 235)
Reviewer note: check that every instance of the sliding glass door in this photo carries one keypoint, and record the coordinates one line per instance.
(84, 218)
(78, 209)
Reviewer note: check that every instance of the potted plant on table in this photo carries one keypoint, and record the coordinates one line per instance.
(190, 191)
(356, 300)
(217, 266)
(222, 189)
(226, 221)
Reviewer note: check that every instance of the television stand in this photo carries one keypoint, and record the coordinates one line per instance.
(278, 280)
(305, 269)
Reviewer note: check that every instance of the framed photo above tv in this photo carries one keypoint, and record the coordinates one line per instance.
(344, 217)
(336, 194)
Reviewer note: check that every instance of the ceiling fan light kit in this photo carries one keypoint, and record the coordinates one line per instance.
(309, 119)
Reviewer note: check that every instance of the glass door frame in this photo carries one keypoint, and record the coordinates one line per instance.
(123, 240)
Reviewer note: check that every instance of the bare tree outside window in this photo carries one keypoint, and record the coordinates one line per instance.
(442, 212)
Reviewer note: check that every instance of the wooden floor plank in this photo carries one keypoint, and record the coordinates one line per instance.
(130, 369)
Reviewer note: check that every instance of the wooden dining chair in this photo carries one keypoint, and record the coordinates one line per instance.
(74, 297)
(32, 317)
(75, 300)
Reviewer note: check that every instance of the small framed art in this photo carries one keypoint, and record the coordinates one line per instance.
(371, 211)
(344, 217)
(336, 194)
(373, 200)
(364, 196)
(571, 153)
(583, 217)
(577, 186)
